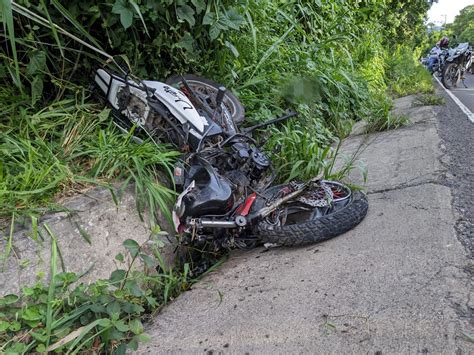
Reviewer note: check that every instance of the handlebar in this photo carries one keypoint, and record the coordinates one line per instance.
(270, 122)
(246, 131)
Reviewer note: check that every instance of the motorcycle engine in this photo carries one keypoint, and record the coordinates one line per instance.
(248, 163)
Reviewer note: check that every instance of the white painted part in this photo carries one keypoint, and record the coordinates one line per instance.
(458, 102)
(102, 74)
(115, 86)
(177, 205)
(178, 103)
(195, 134)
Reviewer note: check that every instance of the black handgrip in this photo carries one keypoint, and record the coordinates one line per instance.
(220, 95)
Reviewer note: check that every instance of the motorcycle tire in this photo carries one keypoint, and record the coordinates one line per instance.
(230, 101)
(319, 229)
(447, 81)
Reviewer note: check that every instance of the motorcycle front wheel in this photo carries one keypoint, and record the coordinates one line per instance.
(206, 90)
(312, 225)
(451, 75)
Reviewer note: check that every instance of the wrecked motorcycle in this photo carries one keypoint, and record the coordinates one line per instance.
(227, 199)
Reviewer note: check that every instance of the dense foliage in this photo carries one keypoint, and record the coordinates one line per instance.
(65, 147)
(328, 59)
(463, 25)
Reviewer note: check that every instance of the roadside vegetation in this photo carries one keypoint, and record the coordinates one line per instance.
(67, 146)
(463, 25)
(334, 61)
(103, 316)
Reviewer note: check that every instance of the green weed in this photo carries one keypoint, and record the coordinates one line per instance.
(429, 100)
(391, 122)
(104, 316)
(405, 75)
(69, 145)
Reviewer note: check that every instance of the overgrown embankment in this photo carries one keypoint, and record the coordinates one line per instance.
(334, 61)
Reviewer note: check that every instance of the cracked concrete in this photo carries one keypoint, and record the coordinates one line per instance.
(400, 282)
(400, 158)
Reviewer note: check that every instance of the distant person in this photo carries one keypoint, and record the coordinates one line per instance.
(436, 51)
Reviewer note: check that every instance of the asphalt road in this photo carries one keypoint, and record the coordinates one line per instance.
(466, 95)
(457, 134)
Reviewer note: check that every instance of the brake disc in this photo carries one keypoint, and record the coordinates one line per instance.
(322, 196)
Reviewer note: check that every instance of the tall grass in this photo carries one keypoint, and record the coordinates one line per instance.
(328, 59)
(406, 75)
(70, 145)
(147, 165)
(322, 59)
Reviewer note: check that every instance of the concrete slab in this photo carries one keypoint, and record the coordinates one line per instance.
(395, 284)
(404, 106)
(403, 157)
(95, 213)
(420, 114)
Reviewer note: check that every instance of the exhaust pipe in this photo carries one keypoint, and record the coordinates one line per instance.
(240, 221)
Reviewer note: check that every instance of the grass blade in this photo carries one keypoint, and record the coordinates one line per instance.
(73, 21)
(10, 240)
(52, 284)
(71, 336)
(34, 227)
(53, 28)
(271, 49)
(137, 10)
(7, 16)
(253, 30)
(83, 233)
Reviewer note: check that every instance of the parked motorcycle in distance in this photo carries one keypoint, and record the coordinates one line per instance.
(227, 199)
(438, 67)
(458, 61)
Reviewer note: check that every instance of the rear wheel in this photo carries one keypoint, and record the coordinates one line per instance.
(451, 75)
(301, 222)
(206, 90)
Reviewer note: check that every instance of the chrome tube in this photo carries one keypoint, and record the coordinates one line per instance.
(207, 223)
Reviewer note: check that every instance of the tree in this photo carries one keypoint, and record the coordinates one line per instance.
(468, 34)
(463, 25)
